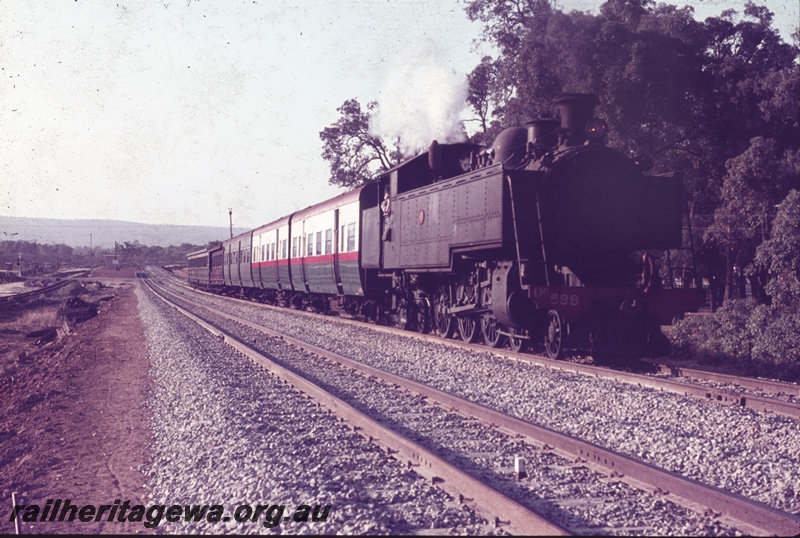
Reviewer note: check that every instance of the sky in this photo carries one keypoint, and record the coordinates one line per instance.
(172, 112)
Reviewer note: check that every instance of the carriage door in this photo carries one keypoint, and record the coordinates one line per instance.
(337, 275)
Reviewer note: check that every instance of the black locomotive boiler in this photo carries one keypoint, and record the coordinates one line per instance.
(531, 241)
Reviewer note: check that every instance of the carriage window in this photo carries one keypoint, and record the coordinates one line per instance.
(310, 245)
(295, 240)
(319, 243)
(328, 241)
(351, 237)
(284, 247)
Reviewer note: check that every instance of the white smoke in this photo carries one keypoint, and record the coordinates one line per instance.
(421, 101)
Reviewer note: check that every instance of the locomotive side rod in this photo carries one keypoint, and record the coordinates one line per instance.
(746, 512)
(487, 501)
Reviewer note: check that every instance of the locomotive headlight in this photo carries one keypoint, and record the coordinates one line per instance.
(596, 129)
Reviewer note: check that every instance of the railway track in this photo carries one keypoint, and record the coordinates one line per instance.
(761, 395)
(17, 299)
(484, 499)
(752, 517)
(227, 432)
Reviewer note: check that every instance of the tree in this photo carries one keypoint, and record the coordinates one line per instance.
(755, 182)
(355, 155)
(482, 93)
(714, 100)
(780, 255)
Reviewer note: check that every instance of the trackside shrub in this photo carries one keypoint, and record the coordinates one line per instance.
(760, 339)
(755, 339)
(721, 337)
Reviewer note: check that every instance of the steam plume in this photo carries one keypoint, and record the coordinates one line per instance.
(421, 101)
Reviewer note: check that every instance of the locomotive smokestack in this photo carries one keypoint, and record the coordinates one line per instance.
(576, 111)
(435, 156)
(543, 131)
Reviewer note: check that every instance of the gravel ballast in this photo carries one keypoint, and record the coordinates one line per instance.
(573, 496)
(754, 454)
(228, 433)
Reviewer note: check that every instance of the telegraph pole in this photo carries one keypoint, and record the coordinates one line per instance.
(230, 219)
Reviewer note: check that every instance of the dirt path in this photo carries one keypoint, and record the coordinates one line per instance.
(73, 421)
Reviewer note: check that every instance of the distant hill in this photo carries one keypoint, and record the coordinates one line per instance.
(103, 233)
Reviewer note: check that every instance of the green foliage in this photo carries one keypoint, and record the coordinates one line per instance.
(48, 258)
(134, 253)
(354, 154)
(754, 338)
(481, 97)
(762, 338)
(715, 100)
(756, 180)
(721, 336)
(780, 256)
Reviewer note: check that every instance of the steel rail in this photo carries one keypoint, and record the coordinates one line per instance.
(753, 383)
(745, 511)
(485, 500)
(716, 394)
(11, 299)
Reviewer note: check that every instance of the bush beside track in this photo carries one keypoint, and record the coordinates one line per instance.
(760, 340)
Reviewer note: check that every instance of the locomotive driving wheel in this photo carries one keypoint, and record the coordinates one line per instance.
(443, 322)
(491, 332)
(468, 328)
(554, 337)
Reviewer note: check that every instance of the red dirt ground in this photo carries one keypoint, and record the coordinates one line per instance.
(73, 421)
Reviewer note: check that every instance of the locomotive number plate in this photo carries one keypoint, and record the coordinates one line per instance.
(421, 216)
(556, 298)
(563, 299)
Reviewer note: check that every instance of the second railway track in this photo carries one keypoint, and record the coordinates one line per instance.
(752, 516)
(754, 393)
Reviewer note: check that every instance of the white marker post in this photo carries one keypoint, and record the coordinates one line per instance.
(519, 468)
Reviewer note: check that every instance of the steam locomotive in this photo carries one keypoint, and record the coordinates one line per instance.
(537, 240)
